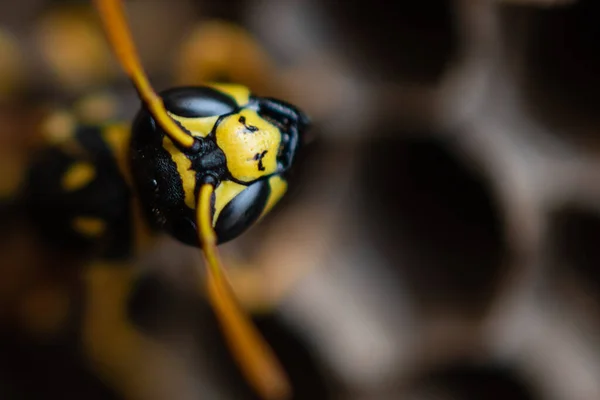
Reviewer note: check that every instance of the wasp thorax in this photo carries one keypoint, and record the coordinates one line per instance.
(245, 146)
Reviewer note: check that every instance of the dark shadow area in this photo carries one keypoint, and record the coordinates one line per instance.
(435, 218)
(52, 370)
(157, 308)
(471, 381)
(307, 376)
(562, 63)
(399, 41)
(574, 235)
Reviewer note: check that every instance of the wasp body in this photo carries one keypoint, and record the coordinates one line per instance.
(201, 164)
(77, 195)
(88, 191)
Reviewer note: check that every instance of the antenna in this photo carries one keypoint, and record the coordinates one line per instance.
(256, 359)
(119, 36)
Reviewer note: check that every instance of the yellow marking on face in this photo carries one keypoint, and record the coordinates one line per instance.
(117, 138)
(224, 193)
(250, 145)
(184, 168)
(89, 226)
(200, 127)
(79, 175)
(58, 127)
(240, 93)
(278, 187)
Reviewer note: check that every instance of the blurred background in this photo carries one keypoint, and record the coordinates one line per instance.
(442, 236)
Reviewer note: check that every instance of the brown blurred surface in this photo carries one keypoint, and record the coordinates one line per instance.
(440, 238)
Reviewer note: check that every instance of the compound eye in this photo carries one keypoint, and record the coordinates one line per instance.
(198, 102)
(242, 210)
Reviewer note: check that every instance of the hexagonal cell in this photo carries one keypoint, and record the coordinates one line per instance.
(561, 63)
(307, 375)
(230, 10)
(574, 256)
(466, 380)
(35, 371)
(435, 218)
(405, 41)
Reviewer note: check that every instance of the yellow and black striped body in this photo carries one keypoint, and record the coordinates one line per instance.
(244, 146)
(103, 189)
(79, 196)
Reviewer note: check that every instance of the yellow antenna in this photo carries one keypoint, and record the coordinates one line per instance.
(256, 359)
(115, 25)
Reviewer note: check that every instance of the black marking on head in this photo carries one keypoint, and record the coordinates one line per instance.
(259, 157)
(198, 102)
(249, 128)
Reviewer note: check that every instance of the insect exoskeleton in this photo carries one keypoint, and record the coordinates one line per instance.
(244, 146)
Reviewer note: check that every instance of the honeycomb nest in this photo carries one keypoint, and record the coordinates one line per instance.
(440, 242)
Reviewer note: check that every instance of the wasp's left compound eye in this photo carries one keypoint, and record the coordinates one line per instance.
(242, 211)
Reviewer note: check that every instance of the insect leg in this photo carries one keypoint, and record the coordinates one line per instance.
(122, 356)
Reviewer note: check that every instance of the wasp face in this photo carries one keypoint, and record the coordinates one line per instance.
(251, 145)
(247, 145)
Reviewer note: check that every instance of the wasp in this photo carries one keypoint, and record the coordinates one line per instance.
(200, 163)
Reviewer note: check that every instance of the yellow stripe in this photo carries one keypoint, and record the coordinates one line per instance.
(278, 188)
(199, 127)
(241, 94)
(79, 175)
(184, 168)
(89, 226)
(116, 137)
